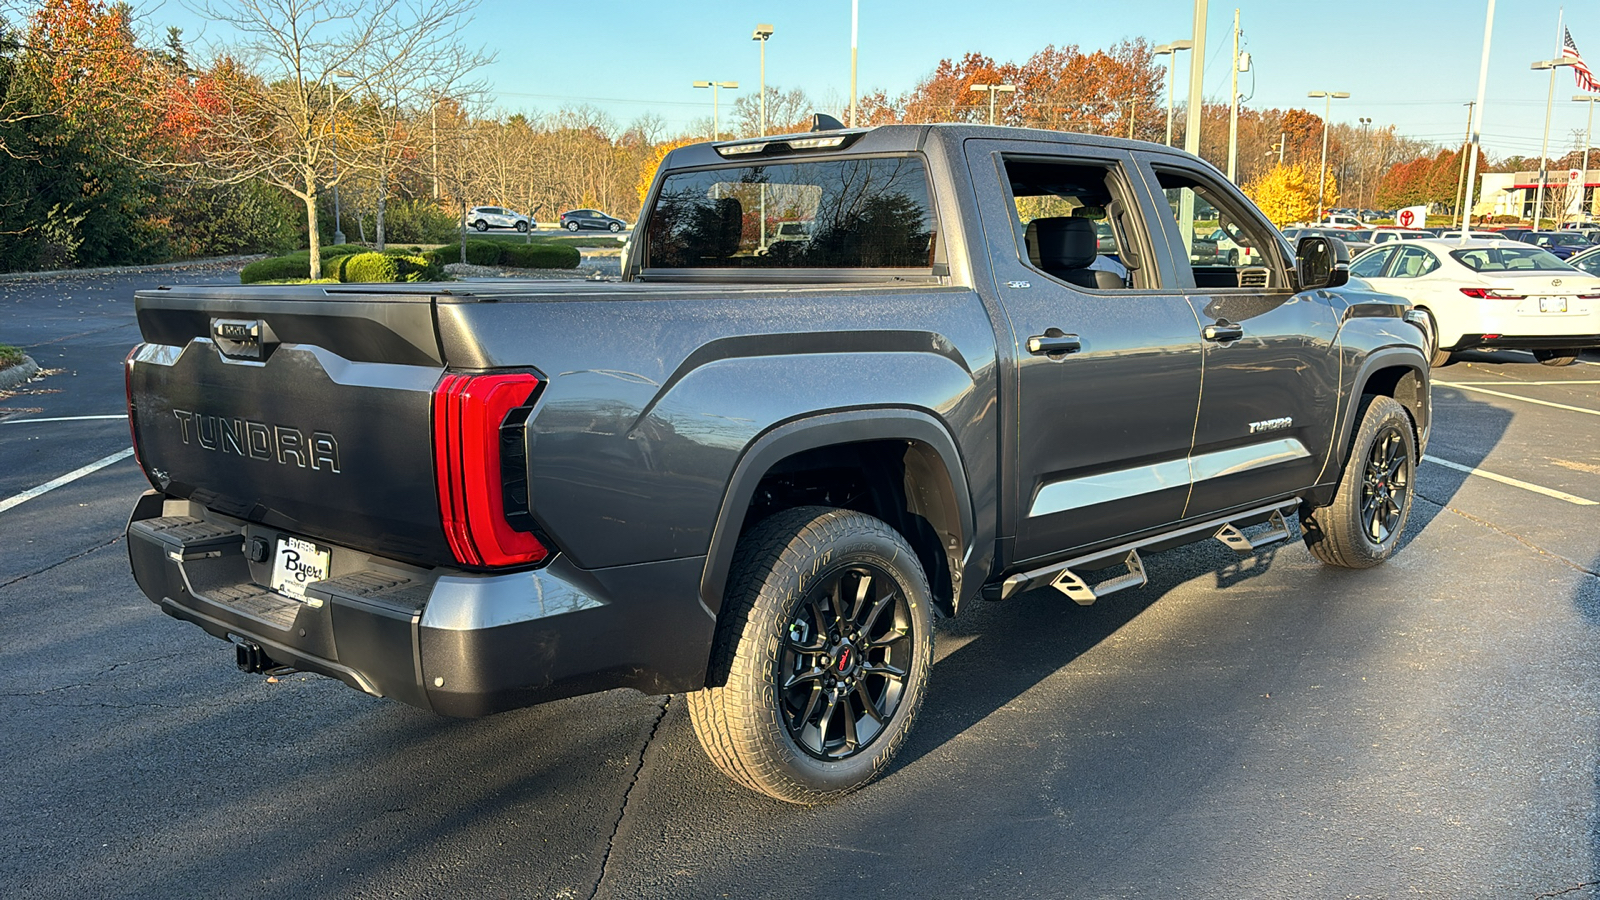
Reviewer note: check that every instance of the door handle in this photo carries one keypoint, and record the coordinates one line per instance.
(1223, 331)
(1054, 343)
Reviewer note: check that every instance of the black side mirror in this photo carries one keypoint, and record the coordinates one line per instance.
(1322, 262)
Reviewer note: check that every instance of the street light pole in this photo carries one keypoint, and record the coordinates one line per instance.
(761, 34)
(716, 129)
(1477, 130)
(1366, 148)
(855, 22)
(1322, 168)
(1588, 131)
(333, 116)
(1544, 148)
(993, 89)
(1171, 52)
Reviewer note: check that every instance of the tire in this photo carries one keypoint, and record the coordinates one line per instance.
(616, 227)
(522, 227)
(481, 225)
(1364, 523)
(1436, 358)
(572, 226)
(1557, 357)
(796, 577)
(1233, 257)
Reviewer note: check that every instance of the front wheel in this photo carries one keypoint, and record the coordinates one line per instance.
(822, 654)
(1363, 524)
(616, 227)
(572, 226)
(1556, 357)
(480, 225)
(522, 227)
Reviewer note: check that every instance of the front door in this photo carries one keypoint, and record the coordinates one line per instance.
(1106, 378)
(1271, 369)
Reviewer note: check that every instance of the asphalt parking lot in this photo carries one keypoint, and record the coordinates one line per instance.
(1257, 728)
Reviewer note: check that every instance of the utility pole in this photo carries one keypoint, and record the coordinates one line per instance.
(855, 21)
(1283, 140)
(1191, 131)
(1133, 112)
(1233, 108)
(1461, 177)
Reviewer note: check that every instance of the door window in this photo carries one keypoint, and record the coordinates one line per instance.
(1413, 262)
(1370, 265)
(1227, 244)
(1074, 224)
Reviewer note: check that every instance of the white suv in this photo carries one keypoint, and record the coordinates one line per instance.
(484, 218)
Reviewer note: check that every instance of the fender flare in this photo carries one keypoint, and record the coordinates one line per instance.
(1383, 358)
(825, 430)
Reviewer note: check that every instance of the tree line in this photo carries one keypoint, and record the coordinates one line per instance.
(118, 147)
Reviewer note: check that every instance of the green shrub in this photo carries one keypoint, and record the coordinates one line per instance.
(479, 253)
(370, 268)
(9, 356)
(417, 221)
(540, 256)
(295, 265)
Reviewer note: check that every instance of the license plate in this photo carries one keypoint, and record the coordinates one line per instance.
(1552, 304)
(297, 564)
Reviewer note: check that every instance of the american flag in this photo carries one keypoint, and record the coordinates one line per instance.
(1580, 70)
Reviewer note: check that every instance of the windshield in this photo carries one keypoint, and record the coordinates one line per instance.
(1357, 235)
(1509, 259)
(852, 213)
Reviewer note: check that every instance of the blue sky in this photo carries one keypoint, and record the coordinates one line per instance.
(1411, 63)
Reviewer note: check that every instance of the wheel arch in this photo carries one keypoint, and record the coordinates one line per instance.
(930, 504)
(1397, 372)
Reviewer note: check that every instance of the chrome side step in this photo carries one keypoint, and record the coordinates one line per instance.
(1244, 545)
(1060, 575)
(1085, 594)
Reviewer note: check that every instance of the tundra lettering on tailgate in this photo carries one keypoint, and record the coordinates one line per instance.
(275, 443)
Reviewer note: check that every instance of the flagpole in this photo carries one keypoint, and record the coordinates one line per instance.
(1477, 128)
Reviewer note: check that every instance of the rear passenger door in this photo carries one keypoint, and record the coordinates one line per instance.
(1105, 379)
(1271, 377)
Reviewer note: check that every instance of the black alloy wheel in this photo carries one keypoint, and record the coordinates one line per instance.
(1385, 485)
(844, 662)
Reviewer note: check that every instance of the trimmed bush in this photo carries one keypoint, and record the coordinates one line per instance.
(408, 221)
(295, 265)
(540, 256)
(370, 268)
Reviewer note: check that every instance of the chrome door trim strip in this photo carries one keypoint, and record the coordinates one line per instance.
(1090, 490)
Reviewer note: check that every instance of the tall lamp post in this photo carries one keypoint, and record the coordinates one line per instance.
(1322, 169)
(338, 230)
(1588, 131)
(1366, 150)
(716, 86)
(1544, 148)
(1171, 51)
(993, 89)
(762, 32)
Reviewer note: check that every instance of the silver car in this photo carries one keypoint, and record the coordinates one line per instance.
(484, 218)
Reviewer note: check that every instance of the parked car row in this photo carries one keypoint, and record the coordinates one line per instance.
(483, 218)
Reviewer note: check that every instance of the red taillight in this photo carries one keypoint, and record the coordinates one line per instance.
(1487, 294)
(468, 414)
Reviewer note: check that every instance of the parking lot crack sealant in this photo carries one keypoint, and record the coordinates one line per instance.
(1479, 520)
(627, 797)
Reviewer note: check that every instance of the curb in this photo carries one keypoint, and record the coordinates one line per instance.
(17, 374)
(119, 270)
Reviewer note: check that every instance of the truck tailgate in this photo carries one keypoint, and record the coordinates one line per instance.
(303, 409)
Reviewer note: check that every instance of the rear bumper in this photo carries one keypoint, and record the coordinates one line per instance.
(1528, 341)
(456, 643)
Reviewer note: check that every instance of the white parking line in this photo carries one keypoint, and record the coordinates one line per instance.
(1511, 382)
(80, 419)
(1468, 387)
(1537, 489)
(68, 478)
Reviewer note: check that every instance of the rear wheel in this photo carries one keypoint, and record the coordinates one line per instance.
(823, 649)
(1557, 357)
(1363, 524)
(481, 225)
(572, 226)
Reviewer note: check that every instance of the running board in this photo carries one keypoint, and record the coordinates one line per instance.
(1085, 594)
(1050, 575)
(1244, 545)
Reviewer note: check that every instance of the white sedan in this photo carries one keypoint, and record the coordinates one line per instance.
(1490, 294)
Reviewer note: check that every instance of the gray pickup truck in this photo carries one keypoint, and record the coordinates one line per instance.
(757, 469)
